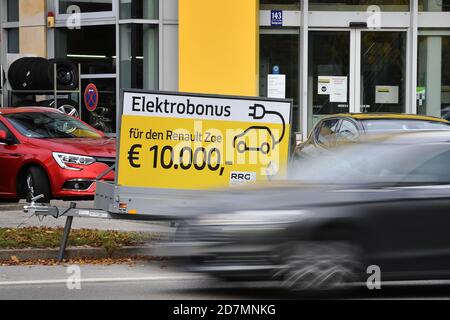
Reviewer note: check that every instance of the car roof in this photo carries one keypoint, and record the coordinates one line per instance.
(26, 109)
(401, 116)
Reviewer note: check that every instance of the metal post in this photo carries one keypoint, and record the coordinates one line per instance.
(65, 238)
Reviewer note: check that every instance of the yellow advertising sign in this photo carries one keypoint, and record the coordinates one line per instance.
(183, 141)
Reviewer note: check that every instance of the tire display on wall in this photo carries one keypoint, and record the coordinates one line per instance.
(34, 73)
(66, 74)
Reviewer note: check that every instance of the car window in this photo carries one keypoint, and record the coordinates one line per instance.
(434, 171)
(44, 125)
(348, 132)
(327, 133)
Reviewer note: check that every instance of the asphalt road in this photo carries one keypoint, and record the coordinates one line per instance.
(156, 281)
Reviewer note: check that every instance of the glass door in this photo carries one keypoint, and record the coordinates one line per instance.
(279, 67)
(382, 71)
(328, 74)
(355, 70)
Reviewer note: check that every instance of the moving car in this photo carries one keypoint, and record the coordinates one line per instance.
(44, 151)
(340, 129)
(383, 203)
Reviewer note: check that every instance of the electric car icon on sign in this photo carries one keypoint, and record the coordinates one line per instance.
(254, 133)
(240, 141)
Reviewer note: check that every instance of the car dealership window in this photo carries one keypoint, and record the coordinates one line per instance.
(434, 5)
(358, 5)
(92, 46)
(280, 4)
(139, 56)
(85, 6)
(433, 79)
(139, 9)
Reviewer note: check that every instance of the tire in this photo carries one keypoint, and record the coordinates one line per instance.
(35, 73)
(37, 183)
(17, 73)
(320, 266)
(24, 73)
(67, 77)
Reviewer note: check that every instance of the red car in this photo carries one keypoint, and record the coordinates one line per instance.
(44, 151)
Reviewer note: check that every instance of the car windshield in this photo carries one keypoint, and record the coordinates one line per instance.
(46, 125)
(393, 125)
(377, 163)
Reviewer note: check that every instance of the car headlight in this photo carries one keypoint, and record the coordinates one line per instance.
(253, 217)
(65, 160)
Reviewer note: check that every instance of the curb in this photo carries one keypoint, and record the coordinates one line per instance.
(74, 252)
(11, 207)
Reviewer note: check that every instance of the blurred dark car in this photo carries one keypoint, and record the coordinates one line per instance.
(340, 129)
(384, 202)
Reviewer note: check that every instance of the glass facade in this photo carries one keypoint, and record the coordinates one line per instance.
(94, 47)
(133, 62)
(85, 6)
(383, 71)
(280, 4)
(139, 56)
(434, 5)
(358, 5)
(139, 9)
(433, 80)
(329, 59)
(332, 62)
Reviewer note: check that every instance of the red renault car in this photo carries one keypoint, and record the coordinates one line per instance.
(44, 151)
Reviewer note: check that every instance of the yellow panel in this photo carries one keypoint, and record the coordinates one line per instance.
(219, 46)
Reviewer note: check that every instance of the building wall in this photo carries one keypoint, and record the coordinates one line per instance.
(33, 27)
(219, 47)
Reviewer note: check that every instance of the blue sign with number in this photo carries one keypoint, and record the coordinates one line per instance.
(276, 18)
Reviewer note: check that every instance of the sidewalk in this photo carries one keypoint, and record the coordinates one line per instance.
(11, 216)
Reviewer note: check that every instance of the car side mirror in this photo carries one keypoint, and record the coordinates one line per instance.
(4, 138)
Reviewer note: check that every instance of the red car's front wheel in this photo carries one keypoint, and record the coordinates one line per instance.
(37, 183)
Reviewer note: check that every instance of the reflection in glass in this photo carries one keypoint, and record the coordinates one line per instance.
(103, 118)
(434, 5)
(280, 4)
(94, 47)
(85, 5)
(139, 56)
(287, 60)
(139, 9)
(12, 10)
(358, 5)
(383, 63)
(433, 79)
(329, 56)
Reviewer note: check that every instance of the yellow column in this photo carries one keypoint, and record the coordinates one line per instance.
(219, 46)
(33, 27)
